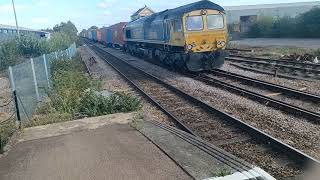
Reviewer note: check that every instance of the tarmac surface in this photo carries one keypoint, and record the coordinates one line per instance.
(99, 148)
(283, 42)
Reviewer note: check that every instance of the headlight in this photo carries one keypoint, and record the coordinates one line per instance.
(221, 43)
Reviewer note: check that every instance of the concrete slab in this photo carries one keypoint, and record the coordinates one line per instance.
(98, 148)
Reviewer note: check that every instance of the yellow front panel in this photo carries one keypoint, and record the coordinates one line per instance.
(205, 40)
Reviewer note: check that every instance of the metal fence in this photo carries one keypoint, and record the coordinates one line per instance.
(31, 80)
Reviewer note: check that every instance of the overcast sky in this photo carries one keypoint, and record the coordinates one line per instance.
(41, 14)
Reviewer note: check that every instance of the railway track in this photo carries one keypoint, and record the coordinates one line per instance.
(221, 129)
(289, 100)
(281, 68)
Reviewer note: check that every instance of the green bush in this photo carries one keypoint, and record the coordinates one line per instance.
(9, 55)
(67, 89)
(306, 25)
(93, 104)
(30, 46)
(76, 93)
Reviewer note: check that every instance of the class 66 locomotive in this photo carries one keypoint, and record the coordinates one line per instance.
(191, 37)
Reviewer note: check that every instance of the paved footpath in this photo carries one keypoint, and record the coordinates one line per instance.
(91, 149)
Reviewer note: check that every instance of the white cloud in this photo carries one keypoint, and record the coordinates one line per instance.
(106, 3)
(39, 20)
(106, 13)
(8, 9)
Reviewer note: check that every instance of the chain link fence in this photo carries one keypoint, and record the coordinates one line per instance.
(31, 80)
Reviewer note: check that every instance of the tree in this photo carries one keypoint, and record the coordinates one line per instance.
(308, 24)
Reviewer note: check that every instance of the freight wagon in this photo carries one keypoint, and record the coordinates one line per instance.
(118, 34)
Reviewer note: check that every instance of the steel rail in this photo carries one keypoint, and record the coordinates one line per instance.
(273, 73)
(274, 87)
(280, 61)
(310, 115)
(236, 59)
(255, 133)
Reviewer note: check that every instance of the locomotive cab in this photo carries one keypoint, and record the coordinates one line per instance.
(205, 31)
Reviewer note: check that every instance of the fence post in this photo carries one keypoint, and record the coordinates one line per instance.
(56, 54)
(15, 98)
(35, 79)
(46, 69)
(13, 86)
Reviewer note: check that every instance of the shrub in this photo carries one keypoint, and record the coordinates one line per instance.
(305, 25)
(9, 55)
(30, 46)
(93, 104)
(6, 131)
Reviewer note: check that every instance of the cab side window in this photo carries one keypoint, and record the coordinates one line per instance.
(128, 34)
(177, 25)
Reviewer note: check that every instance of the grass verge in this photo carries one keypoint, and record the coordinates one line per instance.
(75, 95)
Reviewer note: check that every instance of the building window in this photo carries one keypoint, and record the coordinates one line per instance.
(194, 23)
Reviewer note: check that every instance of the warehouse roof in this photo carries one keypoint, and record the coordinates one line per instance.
(2, 26)
(266, 6)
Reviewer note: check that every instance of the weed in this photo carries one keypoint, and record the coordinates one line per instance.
(137, 121)
(6, 131)
(221, 172)
(39, 120)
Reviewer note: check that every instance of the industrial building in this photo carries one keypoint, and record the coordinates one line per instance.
(243, 16)
(9, 32)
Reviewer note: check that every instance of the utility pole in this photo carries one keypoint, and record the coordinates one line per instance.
(15, 16)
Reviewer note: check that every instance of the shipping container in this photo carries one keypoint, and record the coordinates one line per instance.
(106, 36)
(99, 35)
(94, 34)
(90, 34)
(118, 34)
(109, 36)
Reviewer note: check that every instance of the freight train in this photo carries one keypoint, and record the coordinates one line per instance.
(191, 37)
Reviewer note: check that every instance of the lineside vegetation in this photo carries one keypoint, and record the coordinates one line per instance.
(75, 95)
(306, 25)
(16, 51)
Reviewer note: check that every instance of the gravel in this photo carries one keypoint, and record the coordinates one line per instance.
(308, 105)
(297, 132)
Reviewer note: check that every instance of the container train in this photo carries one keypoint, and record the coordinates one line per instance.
(191, 37)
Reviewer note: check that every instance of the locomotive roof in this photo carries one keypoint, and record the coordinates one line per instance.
(203, 4)
(180, 11)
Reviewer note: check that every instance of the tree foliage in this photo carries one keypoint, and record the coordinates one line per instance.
(306, 25)
(12, 52)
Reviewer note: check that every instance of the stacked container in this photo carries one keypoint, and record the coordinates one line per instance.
(118, 34)
(99, 39)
